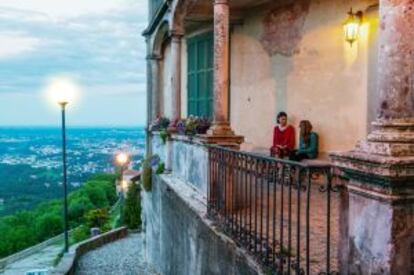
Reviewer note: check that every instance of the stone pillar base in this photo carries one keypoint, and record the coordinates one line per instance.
(220, 129)
(380, 218)
(393, 138)
(220, 133)
(231, 141)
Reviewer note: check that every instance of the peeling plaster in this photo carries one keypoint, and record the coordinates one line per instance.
(283, 28)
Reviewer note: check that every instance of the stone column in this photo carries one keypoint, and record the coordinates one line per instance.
(221, 124)
(380, 218)
(155, 87)
(148, 141)
(176, 78)
(396, 59)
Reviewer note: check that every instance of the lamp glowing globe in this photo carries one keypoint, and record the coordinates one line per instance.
(121, 159)
(62, 90)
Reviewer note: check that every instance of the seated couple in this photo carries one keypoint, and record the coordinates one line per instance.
(284, 140)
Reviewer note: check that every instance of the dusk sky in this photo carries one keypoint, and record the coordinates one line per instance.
(97, 43)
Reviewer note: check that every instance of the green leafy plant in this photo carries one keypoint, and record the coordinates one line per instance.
(80, 233)
(160, 168)
(98, 218)
(132, 207)
(164, 136)
(193, 125)
(160, 123)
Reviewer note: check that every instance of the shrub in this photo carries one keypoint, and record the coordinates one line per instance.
(80, 233)
(48, 225)
(96, 194)
(132, 207)
(78, 206)
(146, 175)
(97, 218)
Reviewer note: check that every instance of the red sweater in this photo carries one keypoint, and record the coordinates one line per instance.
(285, 137)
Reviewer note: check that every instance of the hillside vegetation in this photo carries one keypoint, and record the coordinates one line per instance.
(88, 206)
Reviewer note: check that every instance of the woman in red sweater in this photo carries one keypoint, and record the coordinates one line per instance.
(283, 137)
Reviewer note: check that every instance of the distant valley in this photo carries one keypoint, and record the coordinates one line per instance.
(30, 160)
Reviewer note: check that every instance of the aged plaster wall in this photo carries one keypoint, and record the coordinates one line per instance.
(159, 148)
(179, 239)
(189, 162)
(316, 76)
(368, 236)
(166, 82)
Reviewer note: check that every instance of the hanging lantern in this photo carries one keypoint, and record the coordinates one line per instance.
(351, 26)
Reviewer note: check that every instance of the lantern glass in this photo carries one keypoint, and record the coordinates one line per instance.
(351, 27)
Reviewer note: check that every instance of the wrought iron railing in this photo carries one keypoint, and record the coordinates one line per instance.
(277, 209)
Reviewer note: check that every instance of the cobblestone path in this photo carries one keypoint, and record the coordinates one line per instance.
(123, 257)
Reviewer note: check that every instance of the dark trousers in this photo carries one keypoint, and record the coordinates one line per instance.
(296, 156)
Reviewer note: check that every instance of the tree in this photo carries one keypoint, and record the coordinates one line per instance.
(97, 218)
(48, 225)
(132, 207)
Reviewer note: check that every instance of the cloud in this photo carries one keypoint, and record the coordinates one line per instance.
(97, 41)
(15, 43)
(61, 10)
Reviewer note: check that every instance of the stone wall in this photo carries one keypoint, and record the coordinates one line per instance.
(190, 164)
(180, 240)
(159, 147)
(295, 59)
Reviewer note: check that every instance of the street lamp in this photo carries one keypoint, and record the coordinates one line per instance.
(122, 160)
(62, 92)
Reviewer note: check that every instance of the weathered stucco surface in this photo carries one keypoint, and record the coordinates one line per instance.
(180, 240)
(374, 245)
(312, 73)
(158, 147)
(189, 163)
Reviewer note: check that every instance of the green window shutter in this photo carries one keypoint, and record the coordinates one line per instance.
(200, 75)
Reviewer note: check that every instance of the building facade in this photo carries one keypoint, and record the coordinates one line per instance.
(240, 62)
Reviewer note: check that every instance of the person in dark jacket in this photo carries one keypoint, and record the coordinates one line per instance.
(308, 143)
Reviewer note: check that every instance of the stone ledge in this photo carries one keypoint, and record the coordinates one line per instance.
(67, 264)
(383, 177)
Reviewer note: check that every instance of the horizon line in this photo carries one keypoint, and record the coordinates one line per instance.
(71, 126)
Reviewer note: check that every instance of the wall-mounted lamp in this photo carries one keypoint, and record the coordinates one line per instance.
(351, 26)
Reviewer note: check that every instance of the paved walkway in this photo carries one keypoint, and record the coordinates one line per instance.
(41, 260)
(123, 257)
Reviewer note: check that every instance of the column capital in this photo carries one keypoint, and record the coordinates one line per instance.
(153, 57)
(176, 35)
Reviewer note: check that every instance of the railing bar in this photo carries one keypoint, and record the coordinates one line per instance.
(328, 227)
(260, 176)
(308, 194)
(232, 191)
(299, 186)
(267, 178)
(250, 201)
(245, 199)
(274, 179)
(282, 183)
(224, 183)
(289, 219)
(255, 204)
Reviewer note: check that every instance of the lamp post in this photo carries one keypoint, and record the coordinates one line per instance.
(65, 188)
(63, 91)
